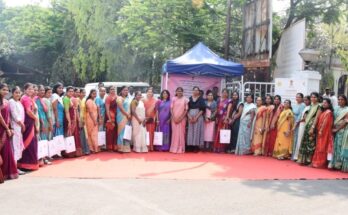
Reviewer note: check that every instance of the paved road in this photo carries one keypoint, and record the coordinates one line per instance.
(32, 195)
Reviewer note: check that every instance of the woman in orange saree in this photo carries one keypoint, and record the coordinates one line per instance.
(111, 132)
(325, 137)
(259, 128)
(92, 121)
(150, 109)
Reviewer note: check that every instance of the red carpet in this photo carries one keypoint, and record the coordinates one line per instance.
(158, 165)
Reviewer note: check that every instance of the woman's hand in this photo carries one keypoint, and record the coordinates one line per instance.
(95, 122)
(23, 127)
(57, 124)
(249, 125)
(9, 133)
(287, 133)
(334, 130)
(311, 131)
(272, 126)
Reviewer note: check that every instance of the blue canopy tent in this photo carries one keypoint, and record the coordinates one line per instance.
(200, 61)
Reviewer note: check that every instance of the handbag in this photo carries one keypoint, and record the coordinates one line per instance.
(101, 138)
(70, 144)
(52, 148)
(128, 133)
(42, 149)
(225, 136)
(147, 138)
(158, 138)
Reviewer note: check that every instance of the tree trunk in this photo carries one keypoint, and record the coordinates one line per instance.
(228, 29)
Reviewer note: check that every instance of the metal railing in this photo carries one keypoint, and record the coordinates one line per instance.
(255, 88)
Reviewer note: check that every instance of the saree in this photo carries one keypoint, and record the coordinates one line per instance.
(110, 127)
(60, 110)
(297, 109)
(283, 143)
(308, 142)
(220, 117)
(122, 121)
(92, 128)
(273, 114)
(235, 125)
(50, 115)
(257, 134)
(195, 131)
(139, 131)
(324, 143)
(164, 115)
(150, 107)
(244, 136)
(29, 160)
(340, 140)
(44, 125)
(17, 115)
(209, 124)
(178, 107)
(300, 133)
(101, 117)
(82, 127)
(8, 167)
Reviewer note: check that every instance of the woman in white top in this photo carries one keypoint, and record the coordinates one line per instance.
(17, 123)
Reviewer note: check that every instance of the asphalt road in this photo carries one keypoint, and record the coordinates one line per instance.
(34, 195)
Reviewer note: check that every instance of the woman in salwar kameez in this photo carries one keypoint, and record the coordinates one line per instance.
(340, 159)
(222, 120)
(195, 131)
(163, 120)
(246, 121)
(150, 107)
(92, 121)
(283, 144)
(110, 126)
(297, 109)
(179, 108)
(123, 117)
(29, 160)
(138, 124)
(209, 124)
(258, 132)
(8, 166)
(309, 139)
(324, 144)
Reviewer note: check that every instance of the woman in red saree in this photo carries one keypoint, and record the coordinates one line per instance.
(324, 137)
(29, 159)
(274, 113)
(150, 109)
(111, 131)
(8, 166)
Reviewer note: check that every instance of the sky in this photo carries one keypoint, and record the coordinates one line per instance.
(278, 5)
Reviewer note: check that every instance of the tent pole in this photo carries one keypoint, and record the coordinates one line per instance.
(242, 80)
(167, 81)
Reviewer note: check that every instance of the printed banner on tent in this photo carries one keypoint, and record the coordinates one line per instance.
(187, 82)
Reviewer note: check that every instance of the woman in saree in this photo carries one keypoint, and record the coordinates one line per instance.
(110, 126)
(50, 114)
(301, 127)
(235, 110)
(122, 119)
(100, 101)
(71, 120)
(258, 132)
(8, 166)
(195, 132)
(29, 159)
(246, 122)
(273, 114)
(163, 120)
(283, 144)
(222, 120)
(17, 124)
(58, 109)
(150, 107)
(309, 138)
(324, 144)
(341, 134)
(209, 117)
(179, 108)
(297, 109)
(92, 121)
(138, 124)
(82, 122)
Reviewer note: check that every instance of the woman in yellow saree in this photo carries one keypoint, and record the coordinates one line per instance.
(259, 128)
(283, 143)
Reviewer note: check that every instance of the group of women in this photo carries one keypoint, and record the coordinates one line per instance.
(310, 132)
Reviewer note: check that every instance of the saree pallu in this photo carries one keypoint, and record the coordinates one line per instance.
(122, 121)
(8, 167)
(309, 141)
(340, 156)
(297, 109)
(324, 140)
(59, 130)
(300, 133)
(244, 136)
(110, 127)
(283, 144)
(195, 132)
(139, 131)
(178, 106)
(150, 107)
(163, 108)
(257, 134)
(267, 150)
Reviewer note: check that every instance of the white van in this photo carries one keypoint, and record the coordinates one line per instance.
(142, 86)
